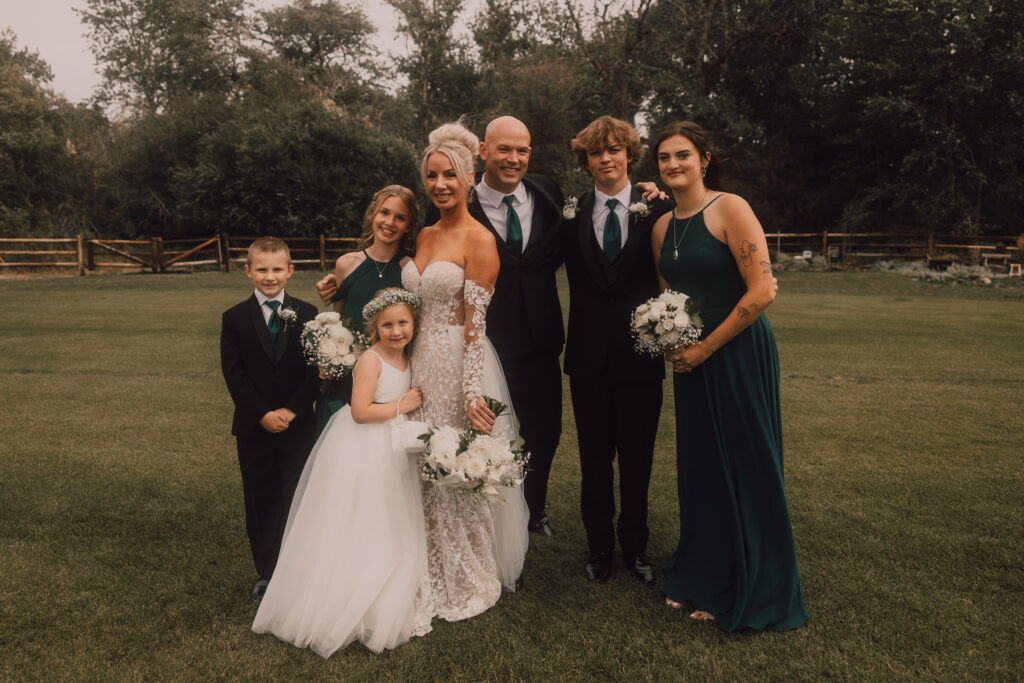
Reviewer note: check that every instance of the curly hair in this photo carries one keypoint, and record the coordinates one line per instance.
(597, 134)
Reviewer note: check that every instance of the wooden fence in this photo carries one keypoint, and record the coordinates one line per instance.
(224, 252)
(158, 255)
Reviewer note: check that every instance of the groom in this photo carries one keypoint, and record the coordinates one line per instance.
(616, 393)
(524, 320)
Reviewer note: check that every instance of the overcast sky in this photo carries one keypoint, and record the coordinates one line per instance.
(52, 28)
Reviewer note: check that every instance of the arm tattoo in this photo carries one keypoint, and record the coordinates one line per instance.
(742, 312)
(747, 250)
(767, 267)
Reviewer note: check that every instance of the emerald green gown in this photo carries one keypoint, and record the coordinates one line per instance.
(356, 289)
(736, 558)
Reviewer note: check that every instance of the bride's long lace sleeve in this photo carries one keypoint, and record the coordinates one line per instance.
(477, 299)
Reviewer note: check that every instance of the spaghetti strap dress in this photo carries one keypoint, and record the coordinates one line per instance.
(356, 289)
(736, 557)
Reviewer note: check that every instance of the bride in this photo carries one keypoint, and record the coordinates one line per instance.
(473, 547)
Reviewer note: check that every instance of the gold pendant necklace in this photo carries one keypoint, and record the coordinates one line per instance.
(675, 242)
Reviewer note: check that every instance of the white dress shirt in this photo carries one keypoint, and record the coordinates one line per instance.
(491, 201)
(267, 310)
(600, 214)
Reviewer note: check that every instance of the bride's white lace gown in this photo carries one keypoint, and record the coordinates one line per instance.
(473, 546)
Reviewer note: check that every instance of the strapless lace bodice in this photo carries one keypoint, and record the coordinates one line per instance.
(441, 287)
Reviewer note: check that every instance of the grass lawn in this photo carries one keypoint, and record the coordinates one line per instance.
(124, 553)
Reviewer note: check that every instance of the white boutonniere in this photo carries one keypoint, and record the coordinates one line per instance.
(572, 205)
(288, 317)
(639, 209)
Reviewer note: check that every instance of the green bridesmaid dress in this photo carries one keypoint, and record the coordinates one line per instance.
(357, 289)
(736, 558)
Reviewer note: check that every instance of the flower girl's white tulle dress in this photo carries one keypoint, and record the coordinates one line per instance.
(354, 549)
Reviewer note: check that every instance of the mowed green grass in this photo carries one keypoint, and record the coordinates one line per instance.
(123, 553)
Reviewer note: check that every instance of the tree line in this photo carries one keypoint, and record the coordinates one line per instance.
(846, 115)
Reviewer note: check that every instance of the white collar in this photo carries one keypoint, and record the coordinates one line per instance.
(262, 298)
(493, 198)
(601, 199)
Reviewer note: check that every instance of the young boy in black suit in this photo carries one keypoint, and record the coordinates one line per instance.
(273, 390)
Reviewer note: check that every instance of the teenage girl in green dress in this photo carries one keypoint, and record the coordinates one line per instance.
(736, 562)
(388, 232)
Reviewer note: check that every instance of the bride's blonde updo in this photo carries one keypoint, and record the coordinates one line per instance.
(461, 147)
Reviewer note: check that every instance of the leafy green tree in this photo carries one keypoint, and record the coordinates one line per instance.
(155, 52)
(44, 170)
(442, 78)
(291, 168)
(328, 41)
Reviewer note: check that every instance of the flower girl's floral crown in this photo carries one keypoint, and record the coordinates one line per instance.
(390, 297)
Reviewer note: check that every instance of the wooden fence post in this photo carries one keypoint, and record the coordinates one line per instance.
(227, 251)
(323, 254)
(931, 243)
(90, 255)
(220, 253)
(824, 243)
(81, 254)
(158, 254)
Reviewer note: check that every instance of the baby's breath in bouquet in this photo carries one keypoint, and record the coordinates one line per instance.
(665, 322)
(473, 460)
(327, 343)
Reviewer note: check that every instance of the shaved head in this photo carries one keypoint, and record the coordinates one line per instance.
(506, 125)
(506, 153)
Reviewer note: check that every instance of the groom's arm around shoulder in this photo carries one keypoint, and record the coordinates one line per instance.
(250, 405)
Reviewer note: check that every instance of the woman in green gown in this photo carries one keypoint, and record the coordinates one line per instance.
(736, 561)
(388, 227)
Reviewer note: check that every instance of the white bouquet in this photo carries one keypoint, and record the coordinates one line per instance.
(470, 459)
(666, 321)
(327, 343)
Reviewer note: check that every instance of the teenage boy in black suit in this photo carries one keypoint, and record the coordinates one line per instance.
(273, 390)
(616, 393)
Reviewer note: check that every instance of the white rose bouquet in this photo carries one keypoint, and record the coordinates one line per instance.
(666, 321)
(327, 343)
(470, 459)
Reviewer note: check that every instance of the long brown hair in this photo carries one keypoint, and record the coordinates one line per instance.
(701, 139)
(381, 196)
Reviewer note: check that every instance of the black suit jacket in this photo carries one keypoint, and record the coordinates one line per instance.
(604, 294)
(261, 379)
(525, 314)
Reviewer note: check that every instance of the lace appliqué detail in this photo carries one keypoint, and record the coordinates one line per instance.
(477, 300)
(461, 578)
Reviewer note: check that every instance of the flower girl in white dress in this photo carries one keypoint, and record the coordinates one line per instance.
(354, 549)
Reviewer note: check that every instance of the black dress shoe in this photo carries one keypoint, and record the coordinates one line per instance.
(542, 527)
(640, 568)
(599, 567)
(258, 589)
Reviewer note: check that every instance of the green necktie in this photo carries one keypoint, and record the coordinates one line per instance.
(515, 229)
(274, 324)
(612, 232)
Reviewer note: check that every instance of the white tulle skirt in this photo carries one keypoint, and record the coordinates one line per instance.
(354, 548)
(511, 517)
